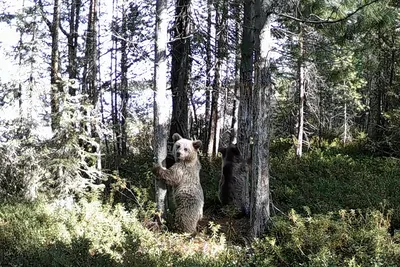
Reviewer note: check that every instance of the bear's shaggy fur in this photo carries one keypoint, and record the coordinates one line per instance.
(184, 177)
(233, 177)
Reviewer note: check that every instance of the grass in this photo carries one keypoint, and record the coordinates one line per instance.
(325, 181)
(331, 208)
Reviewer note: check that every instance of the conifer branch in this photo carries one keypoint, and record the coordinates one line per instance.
(321, 21)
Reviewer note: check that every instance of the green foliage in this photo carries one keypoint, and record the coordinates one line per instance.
(336, 207)
(331, 178)
(93, 234)
(344, 238)
(130, 180)
(210, 174)
(20, 170)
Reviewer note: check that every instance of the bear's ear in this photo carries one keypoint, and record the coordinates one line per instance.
(176, 137)
(197, 144)
(222, 150)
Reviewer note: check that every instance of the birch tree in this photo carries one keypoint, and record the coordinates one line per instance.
(160, 86)
(301, 91)
(235, 110)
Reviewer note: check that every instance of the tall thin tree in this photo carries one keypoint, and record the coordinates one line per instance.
(246, 80)
(72, 37)
(260, 201)
(235, 110)
(220, 19)
(124, 78)
(208, 70)
(180, 69)
(55, 75)
(302, 92)
(160, 94)
(245, 113)
(89, 79)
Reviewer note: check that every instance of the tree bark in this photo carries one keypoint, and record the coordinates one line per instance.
(375, 108)
(208, 73)
(235, 109)
(160, 94)
(89, 85)
(180, 70)
(260, 202)
(245, 113)
(90, 69)
(55, 79)
(219, 46)
(302, 90)
(124, 81)
(246, 80)
(72, 38)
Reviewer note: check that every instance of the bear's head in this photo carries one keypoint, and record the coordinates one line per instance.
(184, 149)
(230, 153)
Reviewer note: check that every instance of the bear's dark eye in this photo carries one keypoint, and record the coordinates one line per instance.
(178, 146)
(185, 149)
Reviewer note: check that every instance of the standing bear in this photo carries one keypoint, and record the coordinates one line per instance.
(184, 177)
(232, 187)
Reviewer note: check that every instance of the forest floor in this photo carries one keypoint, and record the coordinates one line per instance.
(236, 230)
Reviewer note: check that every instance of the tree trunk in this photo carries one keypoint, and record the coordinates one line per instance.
(260, 202)
(89, 86)
(235, 109)
(375, 108)
(246, 86)
(213, 125)
(302, 89)
(72, 37)
(124, 81)
(246, 80)
(90, 69)
(160, 94)
(207, 114)
(21, 92)
(55, 79)
(180, 70)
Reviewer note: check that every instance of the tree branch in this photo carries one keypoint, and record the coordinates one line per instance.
(46, 20)
(64, 31)
(326, 21)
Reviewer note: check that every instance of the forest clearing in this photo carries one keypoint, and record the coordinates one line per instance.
(199, 133)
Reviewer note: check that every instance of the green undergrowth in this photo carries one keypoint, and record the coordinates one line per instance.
(326, 180)
(342, 238)
(93, 234)
(332, 207)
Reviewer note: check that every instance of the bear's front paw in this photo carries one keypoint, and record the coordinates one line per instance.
(157, 170)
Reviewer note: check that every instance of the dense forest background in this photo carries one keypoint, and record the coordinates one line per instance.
(92, 91)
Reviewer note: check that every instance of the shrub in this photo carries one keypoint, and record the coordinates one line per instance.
(326, 181)
(344, 238)
(93, 234)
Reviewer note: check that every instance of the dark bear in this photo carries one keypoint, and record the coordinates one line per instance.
(184, 177)
(232, 188)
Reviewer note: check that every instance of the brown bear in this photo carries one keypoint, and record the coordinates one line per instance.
(232, 188)
(184, 177)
